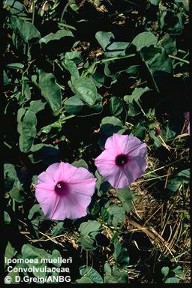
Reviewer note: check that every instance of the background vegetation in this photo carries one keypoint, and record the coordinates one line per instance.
(75, 72)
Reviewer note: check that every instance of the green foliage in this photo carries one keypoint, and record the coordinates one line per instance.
(12, 183)
(114, 274)
(116, 215)
(89, 275)
(178, 180)
(109, 126)
(126, 197)
(109, 45)
(75, 73)
(27, 122)
(10, 251)
(172, 275)
(60, 34)
(88, 231)
(38, 256)
(117, 108)
(144, 39)
(26, 30)
(120, 254)
(50, 90)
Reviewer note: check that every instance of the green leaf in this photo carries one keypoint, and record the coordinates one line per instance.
(17, 192)
(109, 45)
(172, 280)
(160, 62)
(156, 139)
(104, 38)
(71, 67)
(26, 30)
(25, 92)
(178, 271)
(88, 232)
(15, 7)
(80, 163)
(89, 226)
(13, 275)
(15, 66)
(26, 127)
(177, 180)
(165, 271)
(50, 91)
(84, 279)
(117, 108)
(169, 44)
(126, 197)
(184, 175)
(10, 251)
(155, 2)
(115, 274)
(34, 211)
(109, 126)
(144, 39)
(140, 130)
(116, 215)
(38, 255)
(120, 254)
(57, 229)
(86, 242)
(7, 219)
(56, 36)
(74, 105)
(136, 95)
(72, 55)
(5, 78)
(173, 185)
(37, 106)
(12, 184)
(185, 4)
(91, 273)
(45, 153)
(168, 134)
(85, 89)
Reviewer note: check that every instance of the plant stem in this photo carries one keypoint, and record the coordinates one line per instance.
(179, 59)
(162, 167)
(33, 12)
(115, 58)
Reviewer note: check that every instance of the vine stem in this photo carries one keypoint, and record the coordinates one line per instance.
(180, 59)
(161, 167)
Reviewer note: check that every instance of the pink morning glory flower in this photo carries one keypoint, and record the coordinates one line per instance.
(64, 191)
(122, 161)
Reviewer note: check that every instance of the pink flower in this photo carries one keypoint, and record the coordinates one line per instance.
(65, 191)
(122, 161)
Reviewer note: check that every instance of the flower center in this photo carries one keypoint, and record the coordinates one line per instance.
(121, 160)
(61, 188)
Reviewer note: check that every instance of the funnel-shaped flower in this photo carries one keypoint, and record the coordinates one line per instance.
(122, 161)
(64, 191)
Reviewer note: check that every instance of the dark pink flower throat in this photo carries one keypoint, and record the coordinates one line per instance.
(121, 160)
(61, 188)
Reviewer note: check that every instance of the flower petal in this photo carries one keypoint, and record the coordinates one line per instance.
(73, 206)
(119, 176)
(47, 199)
(106, 157)
(80, 187)
(113, 144)
(135, 168)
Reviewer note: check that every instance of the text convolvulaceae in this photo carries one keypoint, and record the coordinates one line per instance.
(122, 161)
(64, 191)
